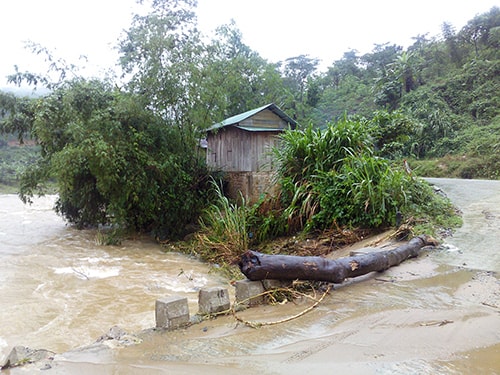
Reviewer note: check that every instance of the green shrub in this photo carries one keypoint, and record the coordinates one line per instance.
(365, 192)
(114, 160)
(332, 178)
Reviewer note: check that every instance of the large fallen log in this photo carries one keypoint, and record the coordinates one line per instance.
(258, 266)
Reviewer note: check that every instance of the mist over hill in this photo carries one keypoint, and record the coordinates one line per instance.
(24, 91)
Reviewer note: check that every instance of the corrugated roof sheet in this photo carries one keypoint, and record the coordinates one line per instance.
(234, 120)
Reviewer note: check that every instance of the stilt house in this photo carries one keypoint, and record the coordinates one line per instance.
(241, 147)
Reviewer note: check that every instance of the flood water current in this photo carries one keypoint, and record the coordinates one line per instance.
(60, 289)
(436, 314)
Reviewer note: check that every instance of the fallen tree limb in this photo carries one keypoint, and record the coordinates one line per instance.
(258, 266)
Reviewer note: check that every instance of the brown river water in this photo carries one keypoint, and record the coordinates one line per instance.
(436, 314)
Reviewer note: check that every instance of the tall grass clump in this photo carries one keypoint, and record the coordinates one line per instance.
(224, 228)
(366, 191)
(303, 155)
(332, 177)
(304, 152)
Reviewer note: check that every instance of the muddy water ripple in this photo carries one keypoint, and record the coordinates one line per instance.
(60, 289)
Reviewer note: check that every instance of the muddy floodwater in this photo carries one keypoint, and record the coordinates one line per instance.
(60, 289)
(436, 314)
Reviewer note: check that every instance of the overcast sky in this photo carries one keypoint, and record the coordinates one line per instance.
(277, 29)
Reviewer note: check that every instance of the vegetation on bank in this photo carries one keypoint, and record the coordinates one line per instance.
(477, 155)
(331, 180)
(128, 156)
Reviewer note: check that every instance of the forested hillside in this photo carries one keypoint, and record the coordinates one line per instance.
(447, 87)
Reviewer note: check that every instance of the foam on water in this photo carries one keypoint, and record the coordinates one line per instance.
(89, 272)
(449, 247)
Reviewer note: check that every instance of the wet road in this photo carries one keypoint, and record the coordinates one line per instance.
(476, 244)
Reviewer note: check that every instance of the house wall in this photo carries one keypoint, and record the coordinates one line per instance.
(265, 119)
(236, 150)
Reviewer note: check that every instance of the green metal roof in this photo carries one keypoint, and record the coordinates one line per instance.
(259, 129)
(235, 120)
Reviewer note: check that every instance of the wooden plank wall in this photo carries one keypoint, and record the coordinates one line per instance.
(236, 150)
(265, 119)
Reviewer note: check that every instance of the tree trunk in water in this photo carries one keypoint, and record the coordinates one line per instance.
(257, 266)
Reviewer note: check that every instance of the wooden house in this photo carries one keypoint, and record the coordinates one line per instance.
(241, 147)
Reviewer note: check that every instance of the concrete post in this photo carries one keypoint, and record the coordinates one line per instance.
(246, 289)
(213, 300)
(171, 312)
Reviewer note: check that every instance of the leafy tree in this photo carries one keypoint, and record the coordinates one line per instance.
(431, 59)
(113, 160)
(404, 70)
(193, 83)
(351, 97)
(16, 115)
(160, 54)
(387, 88)
(482, 33)
(455, 53)
(131, 158)
(58, 69)
(346, 90)
(348, 65)
(396, 79)
(235, 78)
(380, 58)
(297, 71)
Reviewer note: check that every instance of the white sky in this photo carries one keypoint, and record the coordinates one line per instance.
(277, 29)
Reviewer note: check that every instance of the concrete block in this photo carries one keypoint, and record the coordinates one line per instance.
(213, 300)
(171, 312)
(246, 289)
